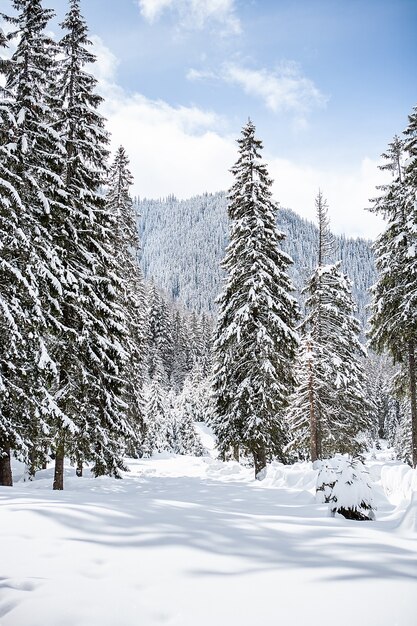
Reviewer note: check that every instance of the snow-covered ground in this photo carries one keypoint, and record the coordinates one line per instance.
(183, 541)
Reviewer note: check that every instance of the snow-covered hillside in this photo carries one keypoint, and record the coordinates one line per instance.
(185, 541)
(183, 242)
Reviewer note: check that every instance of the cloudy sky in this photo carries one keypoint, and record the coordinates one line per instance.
(327, 83)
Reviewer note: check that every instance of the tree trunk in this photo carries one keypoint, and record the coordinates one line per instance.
(44, 465)
(32, 467)
(412, 376)
(6, 477)
(59, 465)
(259, 458)
(236, 454)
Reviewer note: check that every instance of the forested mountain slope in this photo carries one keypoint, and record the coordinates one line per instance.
(183, 242)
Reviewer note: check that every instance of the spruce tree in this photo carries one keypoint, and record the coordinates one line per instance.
(12, 314)
(329, 408)
(312, 398)
(159, 332)
(180, 341)
(255, 341)
(158, 415)
(120, 204)
(394, 306)
(91, 347)
(31, 199)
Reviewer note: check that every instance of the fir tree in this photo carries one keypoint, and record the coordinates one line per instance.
(31, 199)
(91, 347)
(158, 415)
(181, 356)
(195, 398)
(120, 204)
(160, 332)
(255, 342)
(394, 319)
(313, 395)
(328, 409)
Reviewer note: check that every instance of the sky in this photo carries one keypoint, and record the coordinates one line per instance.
(326, 82)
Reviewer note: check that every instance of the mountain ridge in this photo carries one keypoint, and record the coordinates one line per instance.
(183, 242)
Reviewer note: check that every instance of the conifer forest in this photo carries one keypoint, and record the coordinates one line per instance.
(208, 406)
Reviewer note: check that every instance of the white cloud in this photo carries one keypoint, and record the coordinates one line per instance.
(172, 149)
(185, 151)
(105, 67)
(194, 14)
(284, 90)
(347, 192)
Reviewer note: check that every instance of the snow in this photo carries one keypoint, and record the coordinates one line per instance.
(186, 541)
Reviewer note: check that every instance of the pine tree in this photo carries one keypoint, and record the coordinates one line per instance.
(394, 318)
(160, 332)
(347, 410)
(195, 398)
(91, 347)
(255, 342)
(328, 409)
(411, 304)
(180, 341)
(158, 416)
(402, 436)
(312, 398)
(186, 439)
(120, 204)
(12, 315)
(31, 198)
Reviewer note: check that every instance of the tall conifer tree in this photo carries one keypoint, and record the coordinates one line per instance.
(394, 317)
(31, 198)
(328, 409)
(255, 341)
(120, 204)
(90, 349)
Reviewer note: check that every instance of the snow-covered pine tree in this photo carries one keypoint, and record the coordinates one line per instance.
(158, 415)
(310, 400)
(402, 439)
(32, 198)
(195, 398)
(159, 331)
(255, 341)
(12, 314)
(186, 439)
(329, 408)
(411, 306)
(180, 351)
(392, 420)
(394, 305)
(347, 410)
(90, 349)
(120, 204)
(312, 397)
(379, 375)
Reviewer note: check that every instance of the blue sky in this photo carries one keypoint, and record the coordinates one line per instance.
(327, 83)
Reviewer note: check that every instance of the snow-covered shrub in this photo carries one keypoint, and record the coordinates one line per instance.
(351, 494)
(326, 480)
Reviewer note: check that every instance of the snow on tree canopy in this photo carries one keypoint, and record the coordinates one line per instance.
(255, 340)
